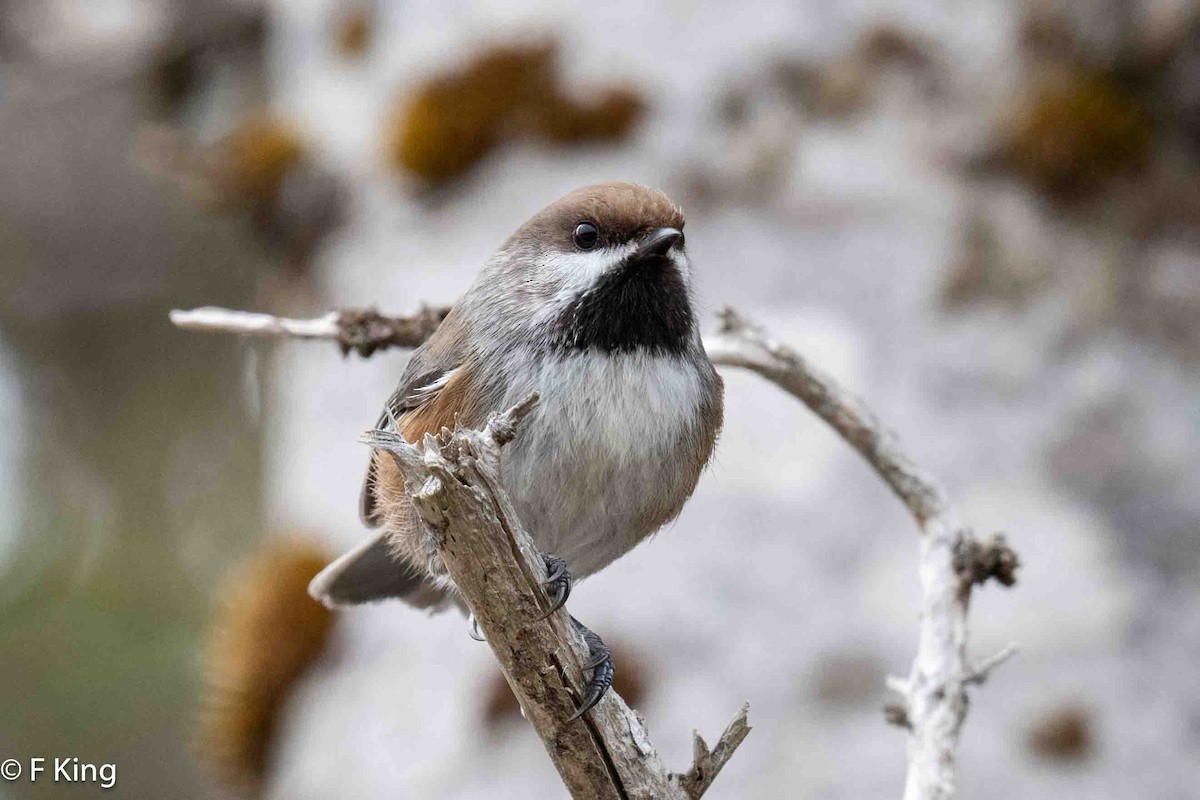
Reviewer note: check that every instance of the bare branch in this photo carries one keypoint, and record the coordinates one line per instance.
(363, 331)
(977, 561)
(368, 331)
(223, 320)
(491, 558)
(979, 673)
(951, 561)
(897, 714)
(707, 764)
(740, 344)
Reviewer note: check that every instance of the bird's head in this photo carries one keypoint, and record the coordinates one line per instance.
(603, 268)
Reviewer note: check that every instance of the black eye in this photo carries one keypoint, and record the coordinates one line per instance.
(586, 235)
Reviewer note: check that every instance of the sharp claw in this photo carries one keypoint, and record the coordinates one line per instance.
(560, 600)
(557, 581)
(592, 698)
(556, 568)
(473, 630)
(554, 577)
(600, 662)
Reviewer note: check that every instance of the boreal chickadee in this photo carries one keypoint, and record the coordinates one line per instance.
(589, 304)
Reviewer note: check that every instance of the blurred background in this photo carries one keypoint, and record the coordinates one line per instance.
(981, 215)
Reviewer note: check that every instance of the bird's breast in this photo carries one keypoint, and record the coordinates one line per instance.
(612, 451)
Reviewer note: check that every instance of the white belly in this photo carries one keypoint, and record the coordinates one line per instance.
(603, 445)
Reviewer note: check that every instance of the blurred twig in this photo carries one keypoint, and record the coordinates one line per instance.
(952, 560)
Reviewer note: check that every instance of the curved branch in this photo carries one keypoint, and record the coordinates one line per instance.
(951, 560)
(738, 343)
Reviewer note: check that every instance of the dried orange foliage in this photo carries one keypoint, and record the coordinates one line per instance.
(1062, 734)
(610, 116)
(352, 32)
(1075, 131)
(885, 44)
(265, 635)
(452, 121)
(253, 160)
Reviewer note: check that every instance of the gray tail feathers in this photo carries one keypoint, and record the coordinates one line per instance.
(370, 573)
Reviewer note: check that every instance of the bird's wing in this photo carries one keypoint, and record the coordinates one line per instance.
(435, 390)
(422, 393)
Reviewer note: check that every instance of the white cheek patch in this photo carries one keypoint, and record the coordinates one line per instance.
(579, 271)
(572, 274)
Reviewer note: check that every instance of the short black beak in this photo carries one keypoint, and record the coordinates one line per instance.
(658, 243)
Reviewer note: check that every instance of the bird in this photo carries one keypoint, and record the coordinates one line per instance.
(589, 303)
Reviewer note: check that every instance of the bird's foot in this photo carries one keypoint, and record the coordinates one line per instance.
(600, 663)
(558, 586)
(558, 582)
